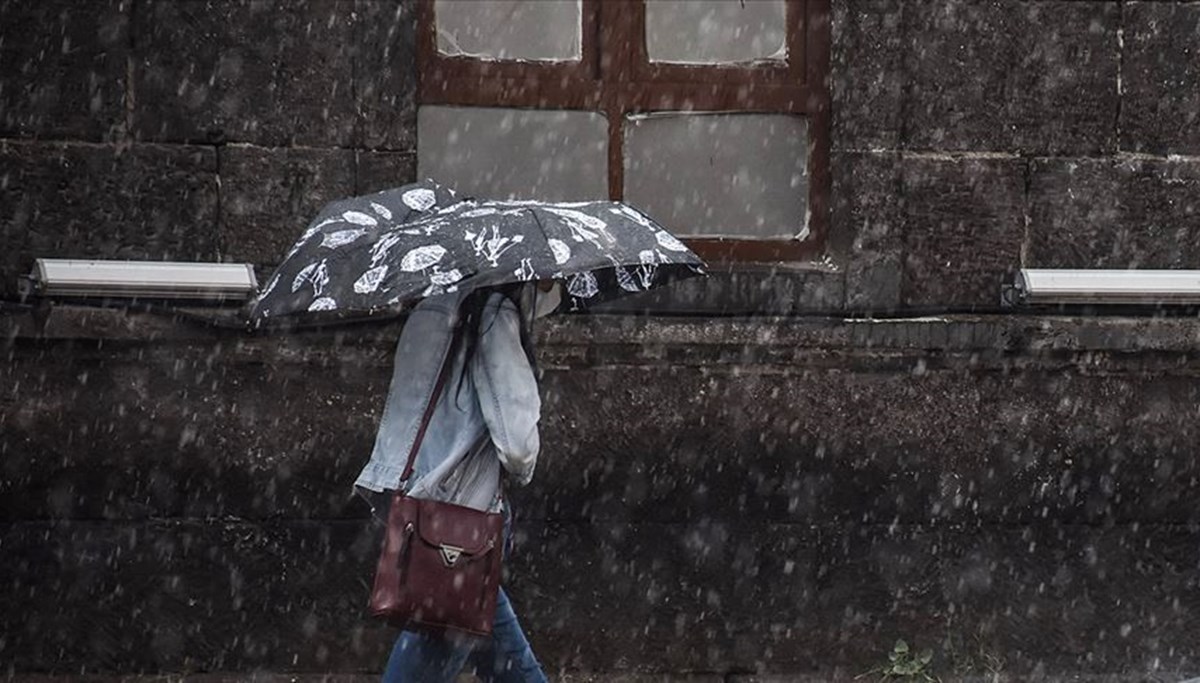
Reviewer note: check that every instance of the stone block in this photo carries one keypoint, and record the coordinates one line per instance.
(269, 196)
(867, 73)
(867, 221)
(375, 171)
(868, 204)
(1115, 214)
(1036, 77)
(386, 74)
(145, 202)
(960, 57)
(874, 282)
(64, 69)
(1160, 77)
(964, 225)
(247, 71)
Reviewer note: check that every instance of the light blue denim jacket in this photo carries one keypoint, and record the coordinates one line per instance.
(486, 423)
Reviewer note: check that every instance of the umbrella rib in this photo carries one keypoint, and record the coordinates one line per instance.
(545, 237)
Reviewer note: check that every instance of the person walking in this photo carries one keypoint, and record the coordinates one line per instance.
(482, 433)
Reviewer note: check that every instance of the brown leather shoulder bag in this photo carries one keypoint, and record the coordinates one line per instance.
(440, 565)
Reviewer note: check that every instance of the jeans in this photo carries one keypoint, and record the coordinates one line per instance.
(427, 658)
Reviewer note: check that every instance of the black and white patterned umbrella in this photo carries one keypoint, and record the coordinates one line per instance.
(363, 255)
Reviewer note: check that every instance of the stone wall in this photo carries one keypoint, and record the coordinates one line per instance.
(725, 498)
(1014, 493)
(159, 129)
(972, 138)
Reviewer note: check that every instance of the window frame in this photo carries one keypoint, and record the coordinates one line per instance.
(615, 77)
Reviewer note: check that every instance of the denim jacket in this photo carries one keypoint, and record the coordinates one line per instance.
(483, 421)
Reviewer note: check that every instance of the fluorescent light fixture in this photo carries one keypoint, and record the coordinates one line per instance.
(142, 279)
(1130, 287)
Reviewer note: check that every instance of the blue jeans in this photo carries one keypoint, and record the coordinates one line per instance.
(427, 658)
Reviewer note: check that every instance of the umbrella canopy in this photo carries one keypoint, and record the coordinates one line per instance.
(347, 263)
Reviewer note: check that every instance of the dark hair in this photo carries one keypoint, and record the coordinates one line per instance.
(470, 319)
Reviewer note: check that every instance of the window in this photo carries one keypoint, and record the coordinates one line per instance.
(712, 115)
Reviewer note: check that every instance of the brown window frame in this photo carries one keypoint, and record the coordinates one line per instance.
(614, 76)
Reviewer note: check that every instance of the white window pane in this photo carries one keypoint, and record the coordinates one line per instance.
(532, 30)
(737, 175)
(716, 31)
(498, 153)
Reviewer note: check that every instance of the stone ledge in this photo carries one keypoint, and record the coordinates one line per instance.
(743, 289)
(645, 337)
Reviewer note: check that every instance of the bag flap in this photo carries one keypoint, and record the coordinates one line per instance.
(460, 527)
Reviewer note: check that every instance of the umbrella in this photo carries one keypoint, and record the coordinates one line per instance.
(344, 263)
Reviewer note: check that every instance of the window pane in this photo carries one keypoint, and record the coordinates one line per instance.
(738, 175)
(534, 30)
(514, 153)
(716, 31)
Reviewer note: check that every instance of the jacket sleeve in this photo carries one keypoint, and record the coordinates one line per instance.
(507, 389)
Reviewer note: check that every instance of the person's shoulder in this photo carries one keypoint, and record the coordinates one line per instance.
(443, 306)
(498, 301)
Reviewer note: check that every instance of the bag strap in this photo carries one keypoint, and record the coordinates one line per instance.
(443, 374)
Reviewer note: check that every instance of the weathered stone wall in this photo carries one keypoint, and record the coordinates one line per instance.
(160, 129)
(720, 497)
(975, 137)
(773, 496)
(970, 137)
